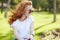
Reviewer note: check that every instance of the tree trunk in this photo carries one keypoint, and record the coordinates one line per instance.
(54, 10)
(8, 4)
(2, 7)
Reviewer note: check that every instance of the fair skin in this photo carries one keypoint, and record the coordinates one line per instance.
(22, 19)
(26, 13)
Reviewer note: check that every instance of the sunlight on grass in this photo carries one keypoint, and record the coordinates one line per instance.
(43, 21)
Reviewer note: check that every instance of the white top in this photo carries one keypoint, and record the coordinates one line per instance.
(23, 27)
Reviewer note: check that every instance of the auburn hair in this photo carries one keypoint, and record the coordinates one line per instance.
(20, 10)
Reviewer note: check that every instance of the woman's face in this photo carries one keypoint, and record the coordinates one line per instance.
(28, 9)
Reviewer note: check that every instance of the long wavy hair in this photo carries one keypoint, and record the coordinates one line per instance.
(20, 10)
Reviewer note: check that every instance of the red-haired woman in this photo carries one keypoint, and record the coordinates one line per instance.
(22, 22)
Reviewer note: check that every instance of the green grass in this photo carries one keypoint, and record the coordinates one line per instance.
(43, 21)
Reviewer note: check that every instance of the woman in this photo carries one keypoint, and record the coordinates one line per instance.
(22, 22)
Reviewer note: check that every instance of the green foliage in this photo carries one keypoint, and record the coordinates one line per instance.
(5, 1)
(44, 5)
(50, 4)
(36, 4)
(14, 2)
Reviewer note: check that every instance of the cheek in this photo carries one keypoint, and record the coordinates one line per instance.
(27, 14)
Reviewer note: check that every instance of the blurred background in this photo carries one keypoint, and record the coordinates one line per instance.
(46, 15)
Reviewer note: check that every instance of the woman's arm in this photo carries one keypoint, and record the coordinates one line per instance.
(16, 33)
(32, 29)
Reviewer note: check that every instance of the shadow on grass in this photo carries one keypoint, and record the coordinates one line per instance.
(8, 36)
(41, 27)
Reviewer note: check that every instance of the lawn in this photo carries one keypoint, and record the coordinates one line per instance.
(43, 21)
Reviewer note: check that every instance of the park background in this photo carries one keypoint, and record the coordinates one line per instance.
(46, 15)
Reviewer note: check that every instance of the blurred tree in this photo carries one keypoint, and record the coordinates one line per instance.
(55, 1)
(36, 4)
(13, 3)
(58, 8)
(50, 5)
(2, 6)
(43, 5)
(8, 3)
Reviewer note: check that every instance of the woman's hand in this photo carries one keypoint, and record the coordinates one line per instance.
(30, 37)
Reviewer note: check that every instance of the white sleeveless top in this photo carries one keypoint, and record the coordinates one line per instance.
(23, 27)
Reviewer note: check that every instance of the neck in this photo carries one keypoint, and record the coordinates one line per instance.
(23, 18)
